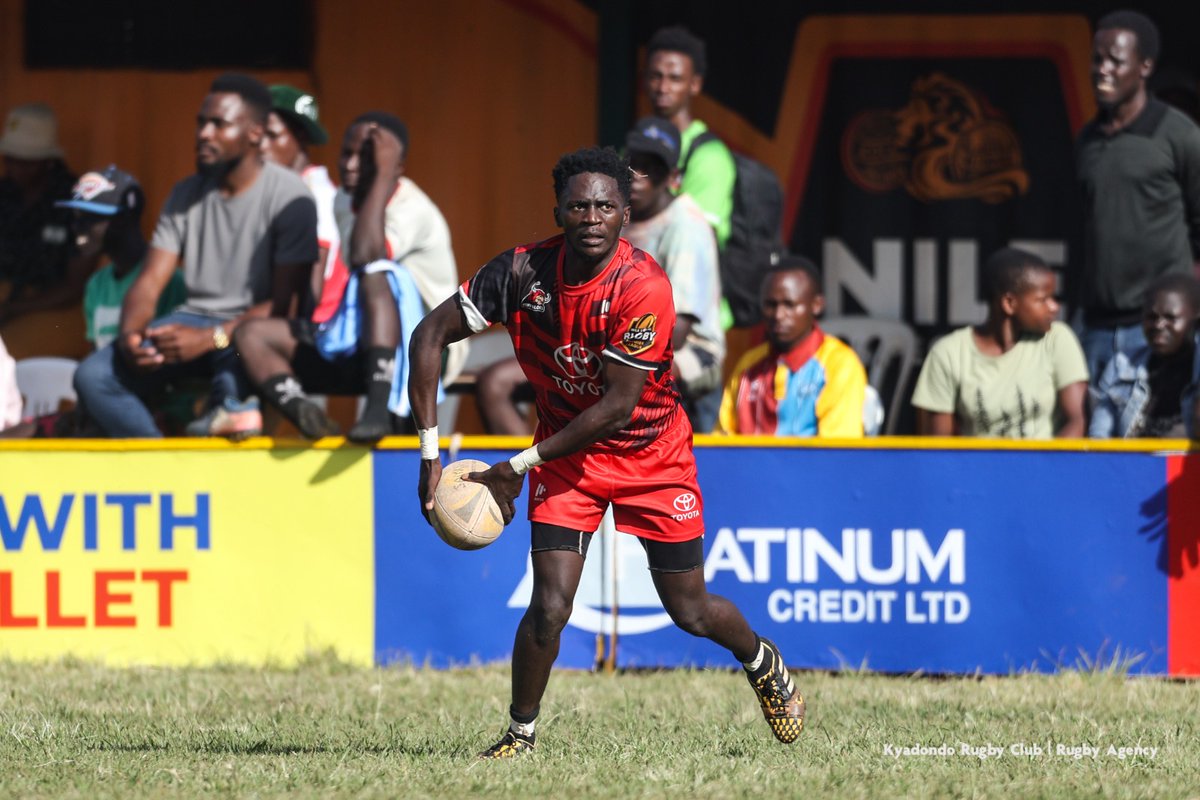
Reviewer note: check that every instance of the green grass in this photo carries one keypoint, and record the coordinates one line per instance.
(70, 729)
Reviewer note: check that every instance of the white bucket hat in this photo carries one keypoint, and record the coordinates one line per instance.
(31, 133)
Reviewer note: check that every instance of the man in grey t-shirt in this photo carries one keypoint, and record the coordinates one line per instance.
(245, 233)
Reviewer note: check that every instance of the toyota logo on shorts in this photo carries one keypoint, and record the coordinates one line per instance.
(685, 502)
(576, 361)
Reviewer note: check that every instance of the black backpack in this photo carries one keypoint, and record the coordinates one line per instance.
(755, 241)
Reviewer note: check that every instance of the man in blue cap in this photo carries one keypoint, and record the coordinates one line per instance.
(676, 232)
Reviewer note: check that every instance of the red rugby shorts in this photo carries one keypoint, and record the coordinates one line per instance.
(653, 491)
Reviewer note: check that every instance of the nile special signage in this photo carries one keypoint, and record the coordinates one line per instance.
(946, 143)
(912, 146)
(923, 168)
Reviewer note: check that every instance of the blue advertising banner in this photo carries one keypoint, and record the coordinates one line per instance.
(444, 607)
(846, 558)
(878, 559)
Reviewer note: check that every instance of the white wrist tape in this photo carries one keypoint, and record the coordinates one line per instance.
(429, 443)
(523, 461)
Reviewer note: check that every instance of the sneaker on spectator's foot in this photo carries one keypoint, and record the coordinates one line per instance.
(231, 419)
(312, 421)
(782, 705)
(511, 745)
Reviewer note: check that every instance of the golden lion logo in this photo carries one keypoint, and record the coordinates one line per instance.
(941, 146)
(640, 336)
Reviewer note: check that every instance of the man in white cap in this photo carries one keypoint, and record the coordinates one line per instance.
(35, 238)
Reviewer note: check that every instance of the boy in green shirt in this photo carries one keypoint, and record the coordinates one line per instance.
(1019, 375)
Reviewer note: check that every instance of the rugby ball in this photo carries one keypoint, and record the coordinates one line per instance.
(465, 514)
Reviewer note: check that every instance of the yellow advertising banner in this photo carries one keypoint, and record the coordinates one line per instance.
(186, 556)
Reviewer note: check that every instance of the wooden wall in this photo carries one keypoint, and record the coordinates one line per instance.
(493, 91)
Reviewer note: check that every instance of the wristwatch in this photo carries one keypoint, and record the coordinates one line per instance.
(220, 338)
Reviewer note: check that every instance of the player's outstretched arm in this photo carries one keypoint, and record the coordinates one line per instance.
(441, 327)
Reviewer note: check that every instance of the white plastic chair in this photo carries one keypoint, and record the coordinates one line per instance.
(44, 383)
(888, 350)
(873, 413)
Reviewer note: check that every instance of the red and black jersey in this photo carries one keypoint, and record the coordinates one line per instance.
(562, 333)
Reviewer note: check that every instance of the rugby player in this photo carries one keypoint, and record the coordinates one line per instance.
(591, 319)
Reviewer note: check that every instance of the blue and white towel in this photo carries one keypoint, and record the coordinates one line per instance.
(339, 336)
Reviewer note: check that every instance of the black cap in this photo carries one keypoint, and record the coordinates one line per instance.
(656, 136)
(108, 192)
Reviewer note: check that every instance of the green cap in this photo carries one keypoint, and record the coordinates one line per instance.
(298, 108)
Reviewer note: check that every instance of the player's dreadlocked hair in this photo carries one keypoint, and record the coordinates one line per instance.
(1008, 270)
(1142, 27)
(601, 160)
(678, 39)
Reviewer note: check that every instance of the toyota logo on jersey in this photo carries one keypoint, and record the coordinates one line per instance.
(576, 361)
(685, 504)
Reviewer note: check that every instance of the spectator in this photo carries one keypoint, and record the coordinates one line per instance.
(37, 272)
(391, 233)
(10, 394)
(1019, 375)
(1139, 169)
(244, 231)
(800, 382)
(107, 225)
(1143, 395)
(294, 125)
(107, 206)
(676, 62)
(674, 231)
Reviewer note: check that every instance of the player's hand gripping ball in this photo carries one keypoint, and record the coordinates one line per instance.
(465, 514)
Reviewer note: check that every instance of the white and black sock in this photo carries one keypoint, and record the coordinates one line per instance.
(755, 664)
(522, 724)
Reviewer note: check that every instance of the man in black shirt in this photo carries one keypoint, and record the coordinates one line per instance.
(1139, 168)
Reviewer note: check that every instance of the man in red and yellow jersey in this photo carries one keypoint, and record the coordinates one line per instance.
(800, 382)
(591, 319)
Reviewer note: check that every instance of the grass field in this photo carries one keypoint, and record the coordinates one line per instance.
(328, 730)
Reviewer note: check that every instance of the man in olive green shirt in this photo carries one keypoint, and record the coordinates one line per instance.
(1019, 375)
